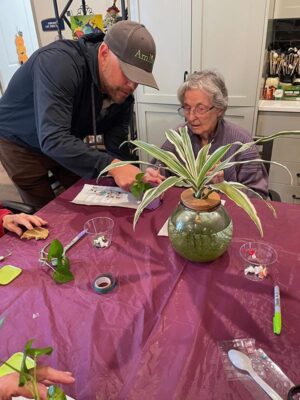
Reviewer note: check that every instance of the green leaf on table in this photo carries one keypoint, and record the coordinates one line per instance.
(55, 250)
(55, 393)
(63, 263)
(62, 275)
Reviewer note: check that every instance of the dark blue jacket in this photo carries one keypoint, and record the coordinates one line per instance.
(48, 107)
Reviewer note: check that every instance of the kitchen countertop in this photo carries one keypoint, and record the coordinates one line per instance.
(279, 105)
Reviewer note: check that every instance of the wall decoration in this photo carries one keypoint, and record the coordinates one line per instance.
(21, 49)
(84, 24)
(111, 17)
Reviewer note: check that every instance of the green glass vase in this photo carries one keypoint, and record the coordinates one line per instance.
(200, 229)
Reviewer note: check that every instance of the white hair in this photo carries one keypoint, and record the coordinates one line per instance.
(209, 81)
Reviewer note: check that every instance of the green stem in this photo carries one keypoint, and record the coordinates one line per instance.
(35, 387)
(198, 194)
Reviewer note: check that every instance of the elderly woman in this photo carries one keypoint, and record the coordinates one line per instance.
(204, 99)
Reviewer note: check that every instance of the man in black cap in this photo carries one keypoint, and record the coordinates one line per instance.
(64, 92)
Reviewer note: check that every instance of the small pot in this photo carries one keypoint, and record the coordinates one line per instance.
(154, 204)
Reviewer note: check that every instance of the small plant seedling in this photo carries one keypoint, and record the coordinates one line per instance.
(29, 377)
(56, 256)
(139, 187)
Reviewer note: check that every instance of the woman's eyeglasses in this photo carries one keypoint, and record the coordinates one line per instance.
(199, 109)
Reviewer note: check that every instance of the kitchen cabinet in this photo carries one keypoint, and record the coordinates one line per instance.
(232, 36)
(287, 9)
(241, 116)
(191, 35)
(170, 26)
(285, 150)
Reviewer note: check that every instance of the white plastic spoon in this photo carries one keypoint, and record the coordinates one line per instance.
(243, 362)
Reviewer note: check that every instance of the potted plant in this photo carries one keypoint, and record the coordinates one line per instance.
(200, 228)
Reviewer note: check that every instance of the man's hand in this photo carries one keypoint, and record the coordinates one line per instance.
(9, 384)
(124, 176)
(11, 222)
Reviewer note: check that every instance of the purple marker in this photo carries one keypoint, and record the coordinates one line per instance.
(75, 240)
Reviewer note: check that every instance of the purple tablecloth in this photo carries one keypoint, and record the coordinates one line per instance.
(157, 335)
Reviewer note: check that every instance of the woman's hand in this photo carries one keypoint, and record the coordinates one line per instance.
(12, 222)
(218, 178)
(153, 175)
(9, 384)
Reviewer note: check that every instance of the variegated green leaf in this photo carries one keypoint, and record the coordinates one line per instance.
(258, 160)
(211, 161)
(121, 164)
(241, 148)
(167, 158)
(174, 138)
(188, 150)
(240, 186)
(240, 199)
(202, 157)
(194, 172)
(153, 194)
(263, 139)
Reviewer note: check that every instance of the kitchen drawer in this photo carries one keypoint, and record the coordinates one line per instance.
(280, 175)
(269, 122)
(286, 149)
(286, 192)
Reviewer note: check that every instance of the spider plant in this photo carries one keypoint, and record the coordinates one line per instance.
(198, 172)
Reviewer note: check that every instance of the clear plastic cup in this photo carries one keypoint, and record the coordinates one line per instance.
(100, 231)
(257, 257)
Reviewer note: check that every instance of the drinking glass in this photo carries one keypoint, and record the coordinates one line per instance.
(100, 231)
(257, 257)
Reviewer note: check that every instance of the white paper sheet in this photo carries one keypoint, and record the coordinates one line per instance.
(105, 196)
(164, 229)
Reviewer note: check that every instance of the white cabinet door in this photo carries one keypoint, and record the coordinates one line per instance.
(241, 116)
(233, 32)
(15, 16)
(170, 25)
(287, 9)
(153, 120)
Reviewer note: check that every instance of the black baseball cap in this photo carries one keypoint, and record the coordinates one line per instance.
(134, 46)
